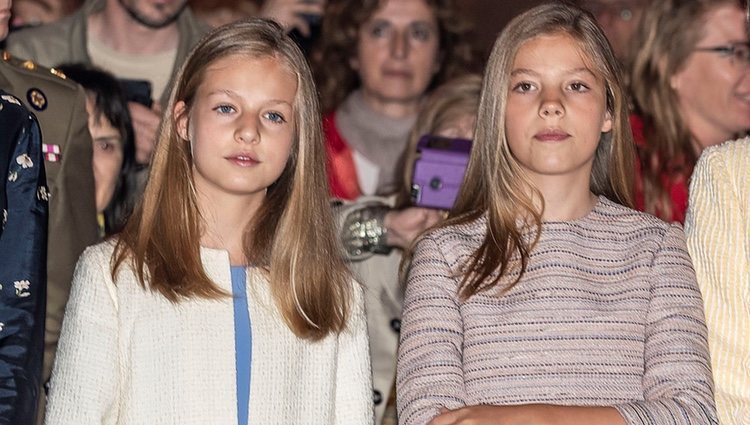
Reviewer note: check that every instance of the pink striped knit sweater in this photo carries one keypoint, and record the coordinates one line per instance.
(607, 314)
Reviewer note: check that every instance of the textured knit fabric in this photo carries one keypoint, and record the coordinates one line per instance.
(129, 356)
(607, 314)
(718, 235)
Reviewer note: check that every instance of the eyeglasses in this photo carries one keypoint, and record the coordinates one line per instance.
(737, 52)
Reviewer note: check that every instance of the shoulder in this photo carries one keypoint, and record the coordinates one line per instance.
(35, 83)
(610, 215)
(192, 27)
(454, 242)
(98, 254)
(51, 29)
(730, 155)
(11, 108)
(618, 225)
(42, 38)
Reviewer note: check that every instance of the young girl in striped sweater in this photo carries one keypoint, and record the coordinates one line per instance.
(544, 298)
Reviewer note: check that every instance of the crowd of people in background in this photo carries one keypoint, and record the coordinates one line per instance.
(211, 213)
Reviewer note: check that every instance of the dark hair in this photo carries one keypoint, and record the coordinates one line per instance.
(342, 21)
(110, 103)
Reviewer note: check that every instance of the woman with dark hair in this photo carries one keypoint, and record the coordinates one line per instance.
(544, 298)
(690, 80)
(114, 147)
(376, 63)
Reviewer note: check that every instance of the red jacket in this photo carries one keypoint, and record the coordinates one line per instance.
(342, 174)
(676, 184)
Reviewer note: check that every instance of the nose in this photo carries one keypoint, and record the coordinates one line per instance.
(551, 107)
(400, 44)
(247, 129)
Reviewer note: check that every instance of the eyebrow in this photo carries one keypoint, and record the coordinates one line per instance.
(234, 94)
(528, 71)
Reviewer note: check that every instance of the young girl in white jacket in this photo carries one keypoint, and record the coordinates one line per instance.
(225, 299)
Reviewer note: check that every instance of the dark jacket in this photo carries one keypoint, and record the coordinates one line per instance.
(23, 252)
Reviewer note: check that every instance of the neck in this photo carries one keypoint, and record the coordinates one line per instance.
(116, 29)
(225, 218)
(389, 107)
(565, 198)
(704, 134)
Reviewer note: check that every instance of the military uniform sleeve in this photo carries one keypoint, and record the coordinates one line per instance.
(72, 224)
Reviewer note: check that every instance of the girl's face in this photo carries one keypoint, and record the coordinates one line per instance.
(397, 53)
(241, 126)
(713, 88)
(108, 155)
(556, 109)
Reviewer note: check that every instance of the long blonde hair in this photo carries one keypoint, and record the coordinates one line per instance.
(495, 184)
(290, 237)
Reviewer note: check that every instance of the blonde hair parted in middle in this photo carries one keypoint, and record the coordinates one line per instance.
(495, 184)
(291, 236)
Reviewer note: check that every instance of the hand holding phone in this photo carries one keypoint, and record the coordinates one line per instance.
(439, 171)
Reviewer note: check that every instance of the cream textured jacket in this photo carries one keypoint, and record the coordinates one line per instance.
(129, 356)
(718, 236)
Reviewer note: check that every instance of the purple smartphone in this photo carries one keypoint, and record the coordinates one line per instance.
(439, 171)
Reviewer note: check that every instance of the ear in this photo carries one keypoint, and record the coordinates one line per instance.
(607, 124)
(180, 117)
(676, 82)
(354, 64)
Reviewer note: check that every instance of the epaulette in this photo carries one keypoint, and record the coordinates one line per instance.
(30, 65)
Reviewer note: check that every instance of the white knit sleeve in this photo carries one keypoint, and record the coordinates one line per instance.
(353, 376)
(85, 378)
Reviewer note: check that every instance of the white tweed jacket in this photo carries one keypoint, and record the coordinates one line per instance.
(128, 356)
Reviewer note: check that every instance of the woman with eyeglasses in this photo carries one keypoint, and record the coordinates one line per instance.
(690, 80)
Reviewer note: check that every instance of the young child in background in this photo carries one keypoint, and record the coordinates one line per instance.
(544, 298)
(224, 299)
(114, 146)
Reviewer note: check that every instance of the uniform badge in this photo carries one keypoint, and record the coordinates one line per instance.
(29, 65)
(51, 152)
(36, 99)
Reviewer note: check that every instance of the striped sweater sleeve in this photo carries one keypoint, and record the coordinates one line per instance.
(430, 370)
(677, 383)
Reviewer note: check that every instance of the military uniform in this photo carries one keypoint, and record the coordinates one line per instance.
(59, 105)
(23, 250)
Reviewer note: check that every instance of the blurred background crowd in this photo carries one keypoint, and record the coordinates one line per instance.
(97, 73)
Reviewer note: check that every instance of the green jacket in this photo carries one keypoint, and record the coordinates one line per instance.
(65, 41)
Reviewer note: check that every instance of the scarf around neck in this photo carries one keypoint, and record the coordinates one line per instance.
(378, 138)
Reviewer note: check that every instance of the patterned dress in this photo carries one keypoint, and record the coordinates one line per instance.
(23, 252)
